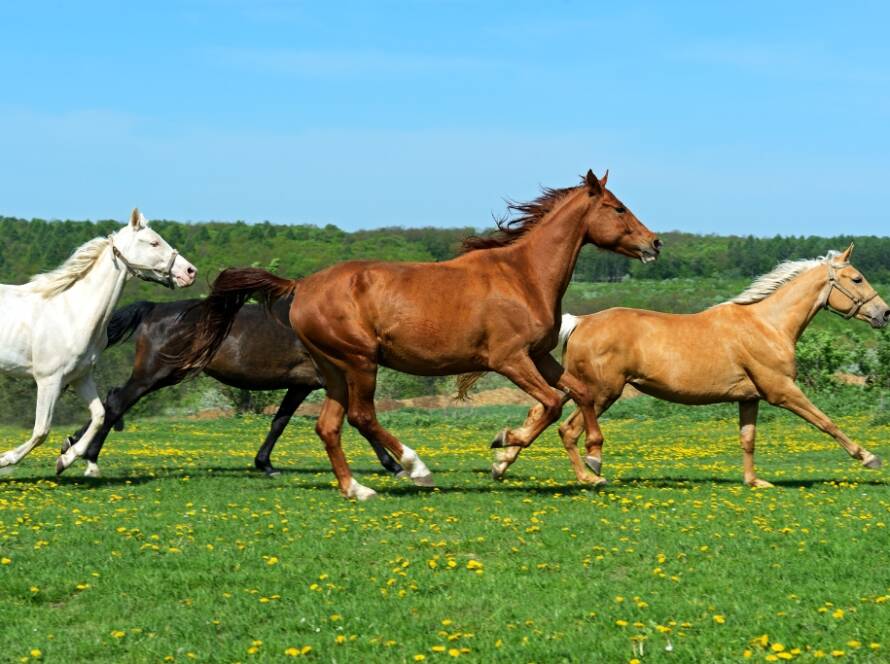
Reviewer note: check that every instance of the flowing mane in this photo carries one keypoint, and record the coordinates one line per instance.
(767, 284)
(511, 229)
(71, 271)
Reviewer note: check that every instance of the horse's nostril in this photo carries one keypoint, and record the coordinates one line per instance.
(657, 243)
(191, 270)
(887, 315)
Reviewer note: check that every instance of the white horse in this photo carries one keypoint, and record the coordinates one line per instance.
(53, 327)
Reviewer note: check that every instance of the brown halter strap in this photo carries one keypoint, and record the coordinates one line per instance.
(857, 301)
(145, 272)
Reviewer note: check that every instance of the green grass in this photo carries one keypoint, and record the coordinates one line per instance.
(181, 553)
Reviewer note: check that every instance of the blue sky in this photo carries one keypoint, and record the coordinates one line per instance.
(748, 117)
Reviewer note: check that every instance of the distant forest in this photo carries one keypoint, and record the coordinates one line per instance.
(29, 247)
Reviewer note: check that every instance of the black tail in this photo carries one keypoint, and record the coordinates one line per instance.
(231, 289)
(124, 322)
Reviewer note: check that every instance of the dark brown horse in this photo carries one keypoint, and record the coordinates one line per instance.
(496, 307)
(260, 353)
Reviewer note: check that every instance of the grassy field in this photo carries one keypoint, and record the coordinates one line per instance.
(181, 553)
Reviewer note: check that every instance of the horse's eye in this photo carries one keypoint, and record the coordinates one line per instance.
(155, 243)
(857, 279)
(621, 209)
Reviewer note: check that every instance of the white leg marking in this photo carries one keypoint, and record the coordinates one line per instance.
(417, 470)
(359, 492)
(92, 470)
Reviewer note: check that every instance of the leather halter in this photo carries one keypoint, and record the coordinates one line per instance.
(145, 272)
(857, 301)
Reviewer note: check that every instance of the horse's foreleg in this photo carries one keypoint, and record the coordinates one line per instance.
(48, 392)
(362, 415)
(86, 390)
(292, 400)
(525, 374)
(570, 431)
(747, 431)
(791, 398)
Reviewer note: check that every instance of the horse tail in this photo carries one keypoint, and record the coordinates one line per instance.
(465, 383)
(216, 313)
(126, 320)
(566, 327)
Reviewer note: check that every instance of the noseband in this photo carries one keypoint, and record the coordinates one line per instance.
(857, 301)
(145, 272)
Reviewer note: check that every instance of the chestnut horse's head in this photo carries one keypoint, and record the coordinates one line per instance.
(611, 226)
(850, 294)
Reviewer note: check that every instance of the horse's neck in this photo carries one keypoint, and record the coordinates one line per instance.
(548, 253)
(791, 308)
(95, 296)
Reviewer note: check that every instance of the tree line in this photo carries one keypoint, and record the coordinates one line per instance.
(28, 247)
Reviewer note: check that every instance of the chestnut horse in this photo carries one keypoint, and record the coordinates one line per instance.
(495, 307)
(741, 350)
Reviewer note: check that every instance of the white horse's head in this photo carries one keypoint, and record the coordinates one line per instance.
(148, 256)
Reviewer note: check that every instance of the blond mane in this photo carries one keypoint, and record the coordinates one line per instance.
(71, 271)
(767, 284)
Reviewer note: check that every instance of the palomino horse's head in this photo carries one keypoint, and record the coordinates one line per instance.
(850, 294)
(612, 226)
(147, 255)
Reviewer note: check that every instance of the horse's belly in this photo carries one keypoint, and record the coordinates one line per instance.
(697, 388)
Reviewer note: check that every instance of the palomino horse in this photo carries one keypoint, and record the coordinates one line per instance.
(495, 307)
(262, 352)
(53, 327)
(741, 350)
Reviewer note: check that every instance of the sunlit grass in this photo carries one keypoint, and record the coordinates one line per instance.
(182, 553)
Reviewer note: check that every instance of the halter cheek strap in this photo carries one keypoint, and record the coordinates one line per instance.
(834, 284)
(145, 272)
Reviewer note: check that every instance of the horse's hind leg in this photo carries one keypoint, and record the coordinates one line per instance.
(292, 400)
(329, 428)
(86, 390)
(361, 384)
(48, 392)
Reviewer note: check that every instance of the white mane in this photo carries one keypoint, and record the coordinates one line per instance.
(767, 284)
(72, 270)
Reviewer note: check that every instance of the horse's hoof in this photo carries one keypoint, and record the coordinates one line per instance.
(498, 470)
(400, 474)
(60, 465)
(499, 440)
(66, 444)
(424, 480)
(360, 492)
(92, 470)
(758, 483)
(596, 465)
(873, 462)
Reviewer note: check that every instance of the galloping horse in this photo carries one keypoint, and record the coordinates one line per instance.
(260, 353)
(741, 350)
(495, 307)
(53, 327)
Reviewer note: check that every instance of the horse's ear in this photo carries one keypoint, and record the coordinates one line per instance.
(594, 187)
(845, 257)
(604, 179)
(137, 221)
